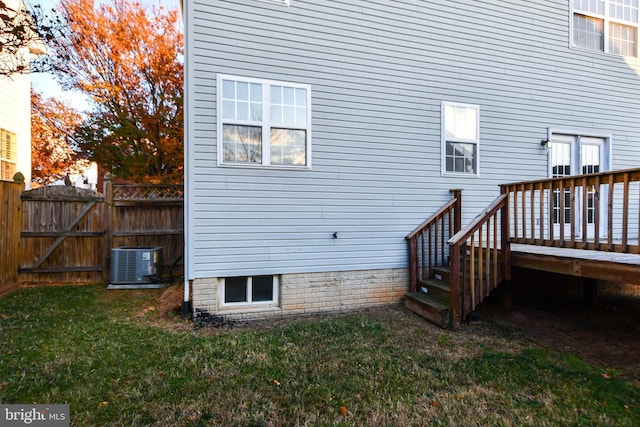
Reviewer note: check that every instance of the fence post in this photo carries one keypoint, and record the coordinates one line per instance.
(18, 178)
(107, 213)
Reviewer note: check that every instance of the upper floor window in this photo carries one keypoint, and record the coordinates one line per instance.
(263, 123)
(606, 25)
(460, 138)
(8, 155)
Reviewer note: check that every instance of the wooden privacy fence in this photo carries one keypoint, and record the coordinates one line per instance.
(68, 233)
(10, 217)
(145, 215)
(62, 235)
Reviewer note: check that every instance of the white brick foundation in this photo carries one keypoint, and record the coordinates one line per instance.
(312, 293)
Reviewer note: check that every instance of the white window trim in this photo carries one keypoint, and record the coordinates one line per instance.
(266, 122)
(249, 304)
(607, 19)
(575, 154)
(443, 146)
(575, 157)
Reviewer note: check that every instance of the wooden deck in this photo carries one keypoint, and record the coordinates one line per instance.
(586, 226)
(610, 266)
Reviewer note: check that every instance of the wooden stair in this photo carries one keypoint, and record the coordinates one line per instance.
(472, 253)
(434, 305)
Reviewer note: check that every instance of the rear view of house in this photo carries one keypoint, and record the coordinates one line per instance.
(320, 134)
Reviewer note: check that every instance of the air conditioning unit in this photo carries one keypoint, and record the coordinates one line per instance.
(135, 267)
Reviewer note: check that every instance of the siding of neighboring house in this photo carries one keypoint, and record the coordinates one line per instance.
(15, 106)
(15, 117)
(379, 71)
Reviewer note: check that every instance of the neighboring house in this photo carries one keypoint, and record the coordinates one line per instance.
(320, 133)
(15, 111)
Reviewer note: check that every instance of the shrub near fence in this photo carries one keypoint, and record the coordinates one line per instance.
(10, 220)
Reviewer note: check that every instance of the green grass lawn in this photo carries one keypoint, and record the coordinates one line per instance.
(116, 363)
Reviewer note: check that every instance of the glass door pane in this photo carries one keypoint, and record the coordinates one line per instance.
(578, 155)
(590, 157)
(561, 166)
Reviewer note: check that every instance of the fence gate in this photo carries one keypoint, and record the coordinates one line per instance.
(62, 235)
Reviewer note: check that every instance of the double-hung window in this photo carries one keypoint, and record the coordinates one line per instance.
(8, 155)
(263, 123)
(460, 138)
(606, 25)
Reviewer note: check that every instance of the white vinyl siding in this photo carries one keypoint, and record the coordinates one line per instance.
(379, 76)
(281, 2)
(606, 25)
(263, 123)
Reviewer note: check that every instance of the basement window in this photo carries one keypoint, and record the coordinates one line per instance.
(253, 290)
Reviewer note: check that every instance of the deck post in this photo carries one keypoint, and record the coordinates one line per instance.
(413, 264)
(505, 246)
(454, 286)
(457, 210)
(454, 263)
(506, 293)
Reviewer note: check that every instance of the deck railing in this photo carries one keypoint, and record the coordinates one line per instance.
(428, 242)
(599, 211)
(595, 211)
(477, 263)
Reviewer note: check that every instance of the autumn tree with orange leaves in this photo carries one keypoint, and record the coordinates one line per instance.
(128, 60)
(53, 148)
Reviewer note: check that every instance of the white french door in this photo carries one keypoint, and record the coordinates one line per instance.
(576, 155)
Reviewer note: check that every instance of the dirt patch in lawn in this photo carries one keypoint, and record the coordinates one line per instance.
(170, 302)
(606, 334)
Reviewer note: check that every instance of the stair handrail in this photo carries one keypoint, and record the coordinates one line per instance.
(479, 220)
(488, 258)
(416, 264)
(433, 218)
